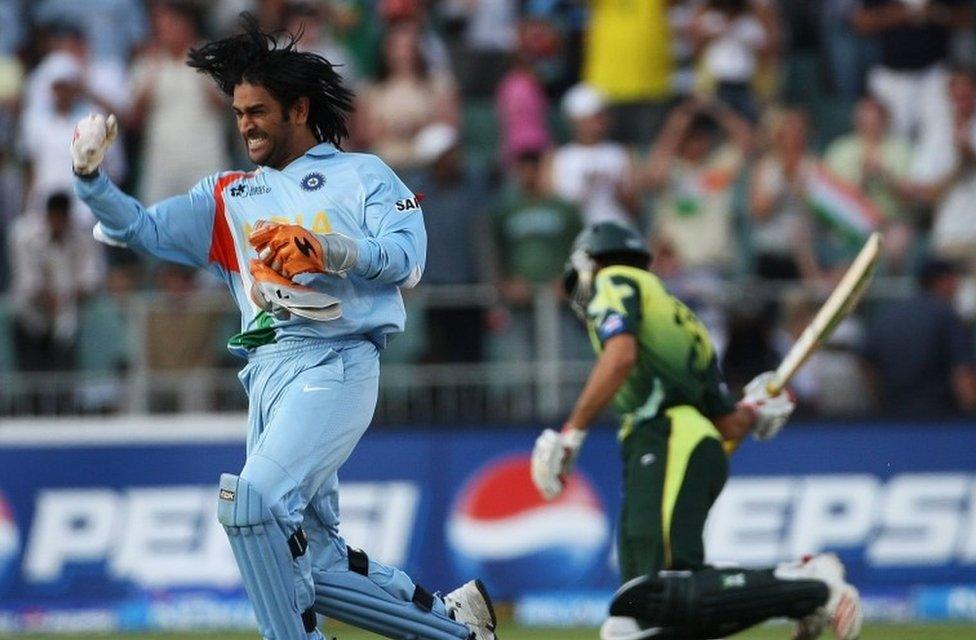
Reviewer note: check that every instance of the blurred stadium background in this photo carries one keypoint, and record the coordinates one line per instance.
(755, 142)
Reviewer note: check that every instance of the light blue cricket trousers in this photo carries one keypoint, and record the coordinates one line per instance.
(310, 403)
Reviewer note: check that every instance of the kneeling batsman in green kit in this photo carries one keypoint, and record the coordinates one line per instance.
(656, 363)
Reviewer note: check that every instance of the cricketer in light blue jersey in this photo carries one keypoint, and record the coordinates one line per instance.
(325, 190)
(315, 245)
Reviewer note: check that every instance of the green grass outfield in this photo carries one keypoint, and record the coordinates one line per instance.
(772, 632)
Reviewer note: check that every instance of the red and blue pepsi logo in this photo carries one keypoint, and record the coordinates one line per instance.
(501, 529)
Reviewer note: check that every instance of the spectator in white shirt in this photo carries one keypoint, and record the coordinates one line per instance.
(55, 264)
(949, 182)
(911, 79)
(45, 136)
(731, 38)
(105, 81)
(169, 164)
(591, 171)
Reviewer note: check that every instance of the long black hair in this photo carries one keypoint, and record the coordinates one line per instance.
(257, 57)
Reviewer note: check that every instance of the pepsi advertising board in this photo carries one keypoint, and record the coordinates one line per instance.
(111, 525)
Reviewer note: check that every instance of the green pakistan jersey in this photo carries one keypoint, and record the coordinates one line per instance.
(676, 362)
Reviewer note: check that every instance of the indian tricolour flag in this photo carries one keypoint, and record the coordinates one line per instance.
(841, 205)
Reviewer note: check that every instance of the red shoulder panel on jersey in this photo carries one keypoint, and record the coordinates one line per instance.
(222, 242)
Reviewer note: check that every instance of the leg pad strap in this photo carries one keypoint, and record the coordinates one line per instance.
(358, 561)
(346, 596)
(423, 598)
(309, 619)
(298, 543)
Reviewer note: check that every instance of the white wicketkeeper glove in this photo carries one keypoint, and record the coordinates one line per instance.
(92, 138)
(772, 412)
(282, 297)
(553, 457)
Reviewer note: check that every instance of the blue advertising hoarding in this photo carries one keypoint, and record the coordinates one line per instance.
(112, 524)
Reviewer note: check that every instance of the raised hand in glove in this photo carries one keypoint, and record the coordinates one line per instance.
(771, 412)
(553, 457)
(91, 139)
(291, 249)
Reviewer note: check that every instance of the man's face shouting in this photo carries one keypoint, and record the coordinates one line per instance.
(268, 129)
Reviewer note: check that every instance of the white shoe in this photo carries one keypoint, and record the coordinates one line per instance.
(847, 617)
(623, 628)
(470, 605)
(842, 613)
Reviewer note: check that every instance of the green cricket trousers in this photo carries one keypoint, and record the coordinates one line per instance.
(674, 468)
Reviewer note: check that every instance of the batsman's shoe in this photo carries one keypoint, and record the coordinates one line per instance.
(842, 613)
(470, 605)
(847, 617)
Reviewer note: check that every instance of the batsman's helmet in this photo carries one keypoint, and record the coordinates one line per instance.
(606, 242)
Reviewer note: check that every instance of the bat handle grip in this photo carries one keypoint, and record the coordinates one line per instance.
(774, 387)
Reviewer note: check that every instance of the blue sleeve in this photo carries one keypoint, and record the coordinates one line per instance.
(395, 250)
(178, 229)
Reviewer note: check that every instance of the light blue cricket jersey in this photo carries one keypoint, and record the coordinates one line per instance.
(325, 190)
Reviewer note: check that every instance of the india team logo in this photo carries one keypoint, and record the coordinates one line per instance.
(501, 529)
(9, 541)
(313, 181)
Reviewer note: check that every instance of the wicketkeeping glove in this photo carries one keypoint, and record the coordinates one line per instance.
(552, 459)
(92, 138)
(772, 412)
(290, 249)
(282, 297)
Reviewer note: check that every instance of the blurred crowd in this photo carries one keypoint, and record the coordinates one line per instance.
(751, 141)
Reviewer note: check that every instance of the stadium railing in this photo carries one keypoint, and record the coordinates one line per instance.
(152, 353)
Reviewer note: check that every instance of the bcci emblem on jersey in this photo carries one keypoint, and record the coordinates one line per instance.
(313, 181)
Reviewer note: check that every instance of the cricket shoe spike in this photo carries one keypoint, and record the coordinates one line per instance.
(470, 605)
(842, 613)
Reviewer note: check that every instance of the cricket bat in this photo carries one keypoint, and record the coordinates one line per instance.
(841, 302)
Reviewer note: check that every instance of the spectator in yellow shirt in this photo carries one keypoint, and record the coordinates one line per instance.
(627, 57)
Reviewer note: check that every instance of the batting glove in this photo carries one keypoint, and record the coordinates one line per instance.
(281, 297)
(552, 459)
(771, 412)
(291, 249)
(92, 138)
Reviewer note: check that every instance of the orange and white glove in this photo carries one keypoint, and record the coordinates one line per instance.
(281, 297)
(91, 139)
(553, 457)
(291, 249)
(771, 412)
